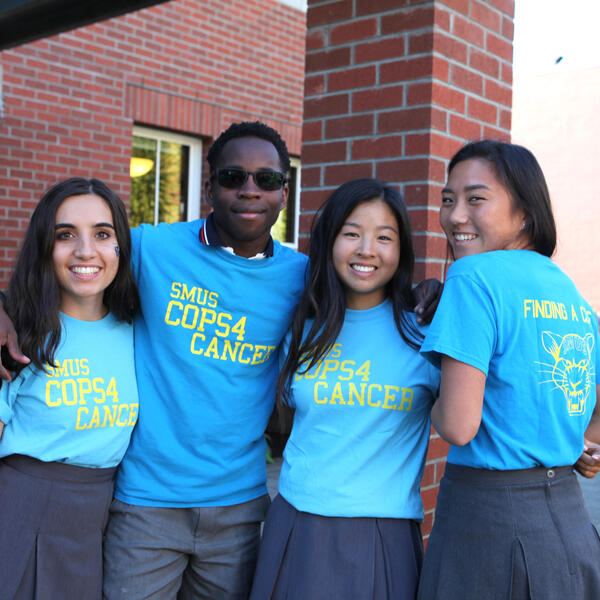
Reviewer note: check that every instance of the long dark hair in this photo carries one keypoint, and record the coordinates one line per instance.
(324, 299)
(33, 298)
(520, 173)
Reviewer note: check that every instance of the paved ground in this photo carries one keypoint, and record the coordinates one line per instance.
(591, 493)
(273, 476)
(590, 487)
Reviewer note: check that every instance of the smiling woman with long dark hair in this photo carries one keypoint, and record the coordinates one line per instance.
(346, 522)
(67, 417)
(518, 348)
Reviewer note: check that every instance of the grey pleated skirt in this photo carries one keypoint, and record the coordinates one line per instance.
(515, 535)
(309, 557)
(52, 518)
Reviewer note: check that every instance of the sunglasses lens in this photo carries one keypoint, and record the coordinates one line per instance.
(232, 178)
(236, 178)
(269, 180)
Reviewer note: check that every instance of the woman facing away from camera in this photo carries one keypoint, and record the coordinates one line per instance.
(67, 416)
(346, 522)
(518, 348)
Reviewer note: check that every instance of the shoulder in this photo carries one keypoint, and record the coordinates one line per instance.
(166, 230)
(498, 266)
(477, 263)
(289, 255)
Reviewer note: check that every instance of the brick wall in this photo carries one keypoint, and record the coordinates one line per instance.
(393, 88)
(191, 66)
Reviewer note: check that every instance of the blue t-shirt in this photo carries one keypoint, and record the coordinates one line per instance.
(361, 426)
(514, 315)
(206, 360)
(82, 411)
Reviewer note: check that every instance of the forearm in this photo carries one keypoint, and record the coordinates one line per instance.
(451, 424)
(456, 414)
(8, 338)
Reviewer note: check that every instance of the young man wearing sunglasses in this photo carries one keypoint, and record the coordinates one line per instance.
(217, 297)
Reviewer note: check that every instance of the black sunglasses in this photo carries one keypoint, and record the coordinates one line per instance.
(233, 179)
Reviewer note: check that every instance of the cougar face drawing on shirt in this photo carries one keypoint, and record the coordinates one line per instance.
(572, 368)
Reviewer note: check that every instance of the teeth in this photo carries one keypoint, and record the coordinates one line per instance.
(85, 270)
(464, 237)
(363, 268)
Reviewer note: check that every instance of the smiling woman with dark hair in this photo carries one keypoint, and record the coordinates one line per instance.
(68, 416)
(518, 347)
(346, 522)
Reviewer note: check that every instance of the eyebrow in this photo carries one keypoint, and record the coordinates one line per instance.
(244, 168)
(70, 226)
(353, 224)
(468, 188)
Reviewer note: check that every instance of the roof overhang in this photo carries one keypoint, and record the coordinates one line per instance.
(23, 21)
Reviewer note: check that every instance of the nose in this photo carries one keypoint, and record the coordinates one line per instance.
(458, 213)
(366, 246)
(249, 189)
(85, 248)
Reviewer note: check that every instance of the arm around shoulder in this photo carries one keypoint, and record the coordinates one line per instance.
(456, 415)
(8, 338)
(588, 463)
(592, 433)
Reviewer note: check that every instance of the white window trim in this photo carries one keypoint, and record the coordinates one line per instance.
(297, 164)
(195, 166)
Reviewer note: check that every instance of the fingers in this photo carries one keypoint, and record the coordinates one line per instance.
(4, 374)
(426, 315)
(427, 294)
(588, 465)
(15, 350)
(11, 346)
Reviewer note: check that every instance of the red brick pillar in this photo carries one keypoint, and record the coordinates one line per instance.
(393, 88)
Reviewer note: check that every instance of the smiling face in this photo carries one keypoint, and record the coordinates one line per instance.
(85, 255)
(366, 253)
(477, 213)
(244, 216)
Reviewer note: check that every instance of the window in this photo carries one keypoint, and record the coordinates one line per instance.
(286, 228)
(165, 177)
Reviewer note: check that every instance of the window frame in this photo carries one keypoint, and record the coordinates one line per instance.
(194, 168)
(297, 164)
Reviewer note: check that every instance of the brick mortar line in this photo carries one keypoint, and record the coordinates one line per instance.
(215, 104)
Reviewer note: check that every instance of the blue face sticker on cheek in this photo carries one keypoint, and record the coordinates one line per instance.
(117, 251)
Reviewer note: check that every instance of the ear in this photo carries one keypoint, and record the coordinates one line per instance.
(285, 192)
(208, 194)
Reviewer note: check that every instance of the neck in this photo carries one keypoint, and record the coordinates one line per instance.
(247, 249)
(83, 309)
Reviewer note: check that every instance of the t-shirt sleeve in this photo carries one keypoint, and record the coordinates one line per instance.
(284, 348)
(8, 395)
(432, 370)
(464, 326)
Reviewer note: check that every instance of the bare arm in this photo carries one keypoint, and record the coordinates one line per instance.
(456, 414)
(8, 338)
(588, 463)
